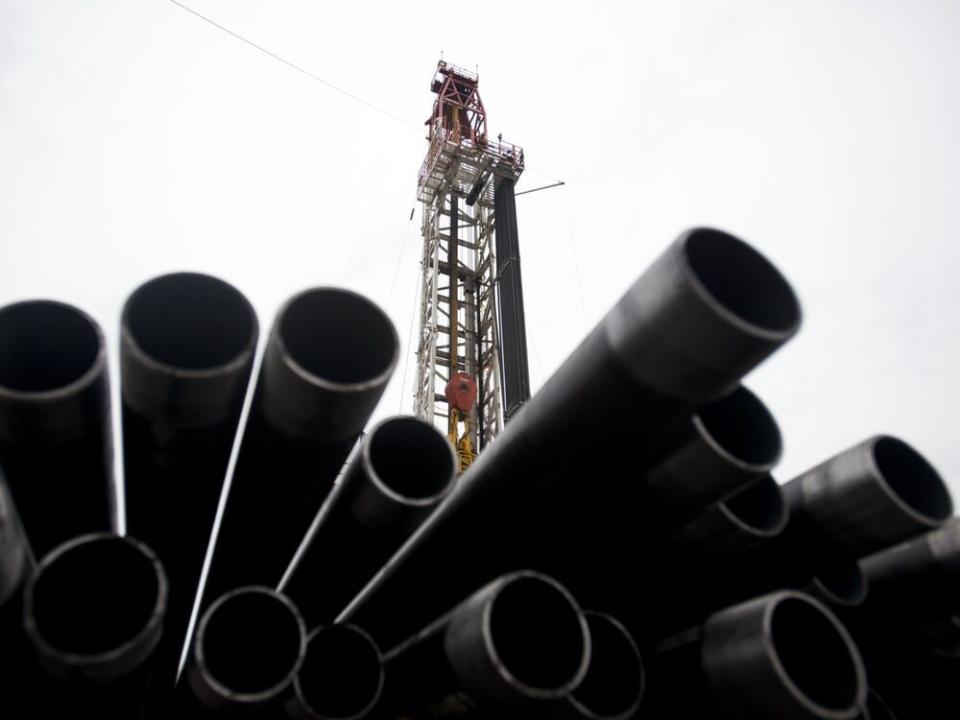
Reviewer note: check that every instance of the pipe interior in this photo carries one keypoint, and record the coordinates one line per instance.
(614, 679)
(412, 458)
(537, 633)
(111, 589)
(342, 673)
(338, 336)
(252, 642)
(760, 507)
(743, 281)
(843, 582)
(814, 654)
(45, 345)
(190, 321)
(912, 478)
(743, 426)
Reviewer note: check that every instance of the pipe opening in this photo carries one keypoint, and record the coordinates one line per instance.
(342, 674)
(190, 321)
(112, 587)
(912, 479)
(537, 633)
(814, 654)
(613, 685)
(412, 458)
(742, 280)
(251, 642)
(760, 508)
(338, 336)
(743, 427)
(841, 583)
(45, 345)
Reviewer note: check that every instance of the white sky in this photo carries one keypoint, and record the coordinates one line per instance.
(135, 139)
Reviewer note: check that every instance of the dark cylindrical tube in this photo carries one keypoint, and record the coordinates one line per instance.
(917, 581)
(405, 467)
(16, 560)
(875, 494)
(705, 313)
(55, 434)
(781, 655)
(93, 613)
(512, 649)
(187, 343)
(248, 648)
(341, 677)
(876, 708)
(727, 445)
(326, 364)
(613, 686)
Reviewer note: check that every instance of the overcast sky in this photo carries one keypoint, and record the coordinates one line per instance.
(136, 139)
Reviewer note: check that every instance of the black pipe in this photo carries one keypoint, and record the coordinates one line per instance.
(874, 494)
(781, 655)
(341, 677)
(876, 708)
(613, 686)
(326, 364)
(55, 434)
(93, 613)
(249, 646)
(709, 309)
(187, 343)
(512, 649)
(728, 444)
(404, 468)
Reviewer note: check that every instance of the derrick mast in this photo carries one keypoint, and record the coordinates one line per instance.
(471, 352)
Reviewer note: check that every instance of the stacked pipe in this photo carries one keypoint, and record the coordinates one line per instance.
(621, 551)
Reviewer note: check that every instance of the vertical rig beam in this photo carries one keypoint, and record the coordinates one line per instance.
(515, 373)
(453, 260)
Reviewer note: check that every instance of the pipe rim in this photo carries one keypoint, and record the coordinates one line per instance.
(934, 481)
(799, 695)
(363, 712)
(629, 711)
(853, 598)
(129, 342)
(759, 414)
(97, 367)
(763, 267)
(310, 378)
(766, 484)
(152, 629)
(384, 487)
(531, 691)
(224, 693)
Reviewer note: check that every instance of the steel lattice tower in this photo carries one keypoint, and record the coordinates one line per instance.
(464, 180)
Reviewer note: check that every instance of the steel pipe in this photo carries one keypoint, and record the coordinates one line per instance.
(55, 434)
(404, 468)
(709, 309)
(249, 646)
(187, 343)
(326, 364)
(341, 677)
(613, 686)
(876, 708)
(781, 655)
(513, 648)
(93, 614)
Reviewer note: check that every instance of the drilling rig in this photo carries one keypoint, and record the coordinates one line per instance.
(472, 373)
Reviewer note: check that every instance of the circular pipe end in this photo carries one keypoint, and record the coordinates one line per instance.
(410, 461)
(242, 663)
(742, 430)
(341, 677)
(189, 324)
(758, 510)
(841, 584)
(613, 686)
(337, 339)
(741, 283)
(48, 349)
(117, 592)
(911, 481)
